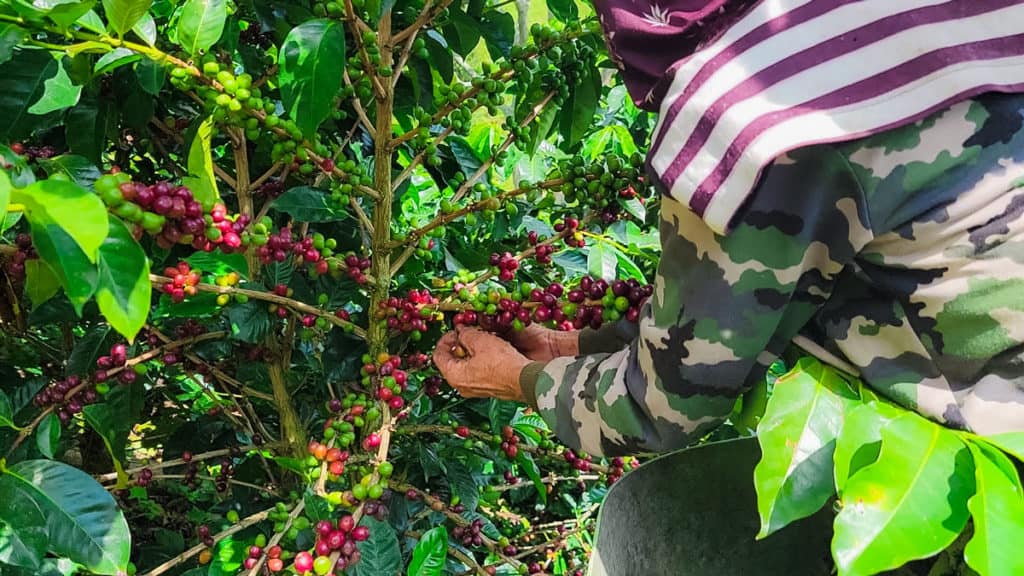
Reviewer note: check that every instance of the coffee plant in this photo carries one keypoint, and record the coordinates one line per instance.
(232, 234)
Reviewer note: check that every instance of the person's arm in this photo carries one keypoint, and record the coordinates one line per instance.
(723, 309)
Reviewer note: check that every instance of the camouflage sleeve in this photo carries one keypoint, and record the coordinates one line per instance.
(723, 308)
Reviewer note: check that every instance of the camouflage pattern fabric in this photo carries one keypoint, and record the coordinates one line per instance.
(902, 254)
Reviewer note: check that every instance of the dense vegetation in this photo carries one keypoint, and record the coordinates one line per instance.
(232, 233)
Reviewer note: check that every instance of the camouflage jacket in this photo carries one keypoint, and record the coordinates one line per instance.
(901, 254)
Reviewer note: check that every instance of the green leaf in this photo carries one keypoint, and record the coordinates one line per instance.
(564, 10)
(997, 509)
(910, 504)
(69, 224)
(860, 440)
(151, 76)
(499, 31)
(317, 508)
(601, 261)
(219, 263)
(65, 12)
(579, 109)
(308, 204)
(380, 554)
(115, 59)
(1012, 442)
(58, 93)
(500, 412)
(798, 436)
(22, 527)
(91, 21)
(200, 166)
(10, 36)
(86, 127)
(114, 418)
(83, 522)
(22, 83)
(5, 195)
(124, 290)
(311, 71)
(77, 168)
(430, 553)
(145, 28)
(201, 24)
(123, 14)
(6, 411)
(461, 481)
(249, 322)
(527, 463)
(88, 348)
(48, 435)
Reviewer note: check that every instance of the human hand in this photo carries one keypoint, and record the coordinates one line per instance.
(480, 365)
(544, 344)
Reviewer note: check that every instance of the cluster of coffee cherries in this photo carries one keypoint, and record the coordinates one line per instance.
(574, 238)
(608, 301)
(504, 265)
(15, 263)
(543, 251)
(334, 457)
(471, 534)
(509, 442)
(386, 376)
(409, 314)
(314, 250)
(191, 474)
(33, 152)
(495, 309)
(356, 267)
(183, 281)
(172, 215)
(602, 185)
(56, 395)
(340, 537)
(144, 477)
(227, 281)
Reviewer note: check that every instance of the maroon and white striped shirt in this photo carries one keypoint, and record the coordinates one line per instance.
(791, 73)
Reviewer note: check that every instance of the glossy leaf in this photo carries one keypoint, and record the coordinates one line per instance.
(201, 179)
(115, 59)
(249, 322)
(145, 28)
(65, 13)
(308, 204)
(997, 509)
(69, 224)
(58, 93)
(461, 481)
(124, 290)
(528, 465)
(429, 554)
(22, 526)
(310, 72)
(910, 504)
(114, 418)
(48, 435)
(89, 347)
(123, 14)
(564, 10)
(380, 553)
(10, 36)
(601, 261)
(77, 168)
(798, 437)
(1012, 442)
(151, 76)
(91, 21)
(860, 440)
(201, 24)
(579, 109)
(6, 411)
(83, 522)
(22, 82)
